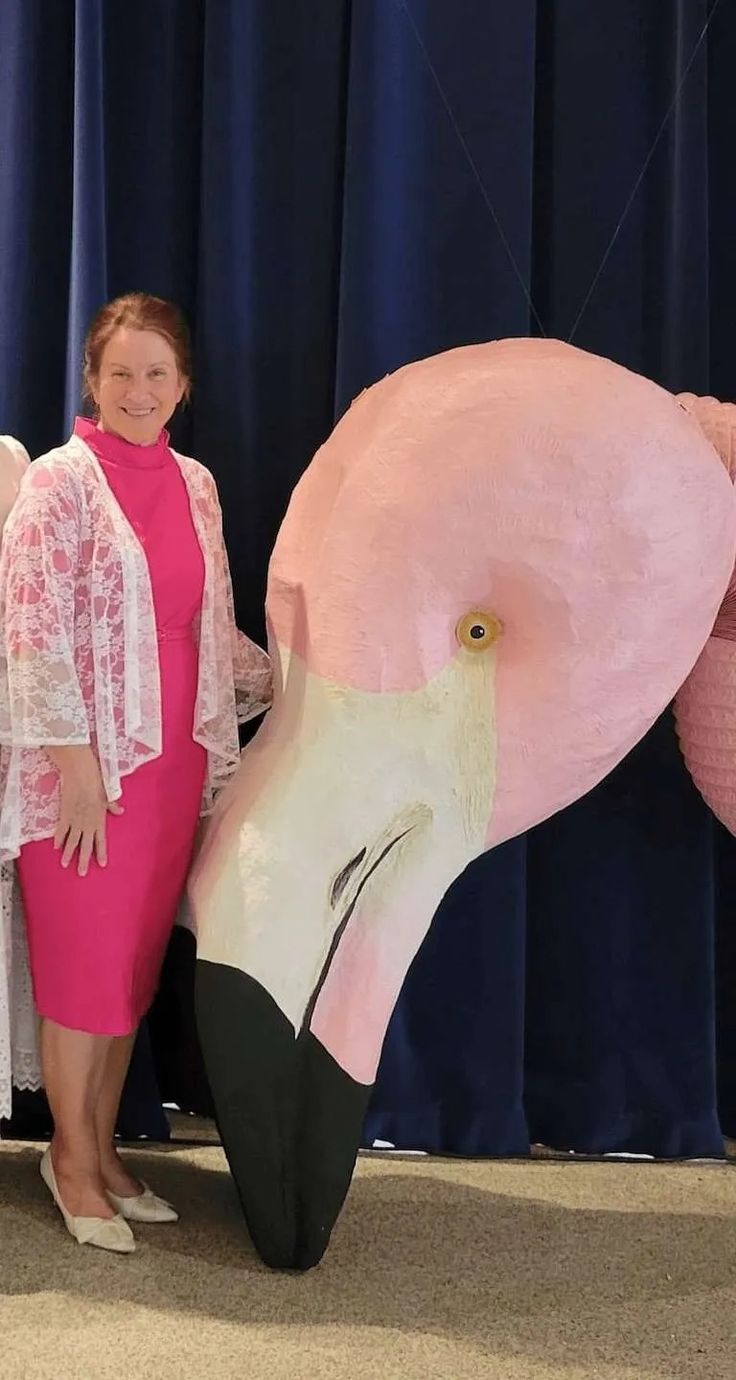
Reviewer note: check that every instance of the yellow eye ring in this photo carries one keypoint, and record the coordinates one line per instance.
(477, 631)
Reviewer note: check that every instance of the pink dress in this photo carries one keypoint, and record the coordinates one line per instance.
(97, 943)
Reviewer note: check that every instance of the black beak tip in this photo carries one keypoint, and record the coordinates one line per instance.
(290, 1118)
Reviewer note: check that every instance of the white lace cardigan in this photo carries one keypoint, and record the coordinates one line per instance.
(79, 664)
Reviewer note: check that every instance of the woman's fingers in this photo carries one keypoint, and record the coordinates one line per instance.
(89, 836)
(67, 821)
(62, 829)
(83, 810)
(71, 844)
(86, 846)
(101, 843)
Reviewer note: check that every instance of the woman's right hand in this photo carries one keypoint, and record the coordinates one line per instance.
(84, 807)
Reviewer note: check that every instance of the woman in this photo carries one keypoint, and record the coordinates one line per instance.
(125, 678)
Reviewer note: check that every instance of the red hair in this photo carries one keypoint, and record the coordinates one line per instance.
(138, 311)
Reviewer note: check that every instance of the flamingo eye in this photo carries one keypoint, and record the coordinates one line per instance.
(477, 631)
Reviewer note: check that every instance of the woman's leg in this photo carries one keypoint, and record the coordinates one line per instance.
(115, 1176)
(73, 1069)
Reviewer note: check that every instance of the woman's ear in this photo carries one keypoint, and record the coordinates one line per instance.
(92, 393)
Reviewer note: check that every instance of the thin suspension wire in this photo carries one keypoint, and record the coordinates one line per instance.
(471, 161)
(403, 5)
(634, 191)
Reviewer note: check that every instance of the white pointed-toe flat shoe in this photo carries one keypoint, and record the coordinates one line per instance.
(144, 1207)
(109, 1233)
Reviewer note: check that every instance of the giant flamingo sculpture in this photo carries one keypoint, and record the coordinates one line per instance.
(491, 580)
(489, 583)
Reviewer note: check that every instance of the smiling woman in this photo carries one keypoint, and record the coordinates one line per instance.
(137, 366)
(125, 680)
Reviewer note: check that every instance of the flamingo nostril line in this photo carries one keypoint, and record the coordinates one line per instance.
(343, 877)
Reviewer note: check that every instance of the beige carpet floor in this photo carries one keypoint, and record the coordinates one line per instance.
(438, 1270)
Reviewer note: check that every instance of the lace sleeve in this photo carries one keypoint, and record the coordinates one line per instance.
(252, 671)
(253, 678)
(40, 697)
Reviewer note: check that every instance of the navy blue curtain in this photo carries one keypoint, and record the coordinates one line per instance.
(329, 190)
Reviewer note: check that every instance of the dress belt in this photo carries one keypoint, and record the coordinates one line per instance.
(175, 634)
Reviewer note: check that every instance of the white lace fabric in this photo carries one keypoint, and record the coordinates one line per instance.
(79, 664)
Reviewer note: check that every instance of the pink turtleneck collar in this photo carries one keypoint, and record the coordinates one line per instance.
(107, 446)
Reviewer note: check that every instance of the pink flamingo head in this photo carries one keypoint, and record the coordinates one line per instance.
(491, 580)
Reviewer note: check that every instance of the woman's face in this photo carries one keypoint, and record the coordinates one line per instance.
(138, 385)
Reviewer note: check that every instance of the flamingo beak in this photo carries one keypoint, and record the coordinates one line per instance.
(316, 885)
(290, 1117)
